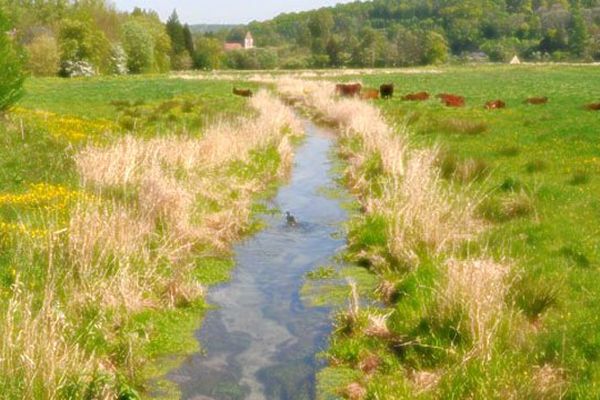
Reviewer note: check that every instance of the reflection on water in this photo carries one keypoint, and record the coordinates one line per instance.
(261, 341)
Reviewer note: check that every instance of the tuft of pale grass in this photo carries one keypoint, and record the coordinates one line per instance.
(377, 326)
(518, 204)
(355, 391)
(549, 383)
(369, 364)
(424, 381)
(36, 358)
(354, 302)
(479, 288)
(97, 233)
(424, 211)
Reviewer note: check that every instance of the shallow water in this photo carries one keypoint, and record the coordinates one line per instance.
(261, 342)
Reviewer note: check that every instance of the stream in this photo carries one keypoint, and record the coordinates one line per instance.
(261, 341)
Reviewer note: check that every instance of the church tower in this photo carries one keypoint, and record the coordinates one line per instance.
(248, 41)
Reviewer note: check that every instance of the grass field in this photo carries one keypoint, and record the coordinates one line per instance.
(496, 300)
(535, 173)
(111, 226)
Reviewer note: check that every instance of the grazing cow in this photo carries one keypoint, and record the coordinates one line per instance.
(348, 89)
(421, 96)
(593, 107)
(451, 100)
(369, 94)
(386, 90)
(536, 100)
(495, 104)
(242, 92)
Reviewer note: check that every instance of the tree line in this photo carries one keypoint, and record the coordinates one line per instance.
(395, 33)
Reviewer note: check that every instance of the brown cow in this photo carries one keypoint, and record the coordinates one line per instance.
(348, 89)
(369, 94)
(593, 106)
(495, 104)
(451, 100)
(386, 90)
(536, 100)
(242, 92)
(420, 96)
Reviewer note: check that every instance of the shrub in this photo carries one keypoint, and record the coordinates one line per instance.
(75, 69)
(80, 41)
(43, 55)
(118, 61)
(139, 46)
(535, 166)
(509, 151)
(579, 178)
(459, 126)
(515, 205)
(451, 167)
(11, 76)
(533, 296)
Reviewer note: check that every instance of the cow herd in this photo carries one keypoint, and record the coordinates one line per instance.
(386, 91)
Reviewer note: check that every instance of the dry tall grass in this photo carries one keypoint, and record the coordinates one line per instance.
(37, 359)
(478, 288)
(134, 251)
(153, 169)
(421, 209)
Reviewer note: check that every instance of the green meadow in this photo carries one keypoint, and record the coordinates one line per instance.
(41, 192)
(535, 172)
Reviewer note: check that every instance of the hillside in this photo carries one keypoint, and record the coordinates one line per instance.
(410, 32)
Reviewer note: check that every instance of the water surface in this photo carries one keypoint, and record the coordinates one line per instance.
(261, 341)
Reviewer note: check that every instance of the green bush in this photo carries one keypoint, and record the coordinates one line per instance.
(139, 46)
(43, 56)
(11, 75)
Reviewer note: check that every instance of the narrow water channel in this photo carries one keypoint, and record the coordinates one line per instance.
(261, 342)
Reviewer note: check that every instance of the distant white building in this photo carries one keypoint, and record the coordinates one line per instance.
(515, 60)
(248, 41)
(248, 44)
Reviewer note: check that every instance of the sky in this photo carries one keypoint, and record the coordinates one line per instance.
(224, 11)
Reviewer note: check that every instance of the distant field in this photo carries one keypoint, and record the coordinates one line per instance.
(92, 97)
(538, 168)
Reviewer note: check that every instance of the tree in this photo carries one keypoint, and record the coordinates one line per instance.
(208, 54)
(188, 39)
(320, 25)
(175, 32)
(578, 37)
(11, 76)
(161, 41)
(553, 40)
(334, 50)
(80, 41)
(139, 46)
(436, 49)
(409, 47)
(118, 61)
(43, 56)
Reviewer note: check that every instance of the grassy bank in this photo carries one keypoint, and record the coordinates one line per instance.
(482, 230)
(120, 199)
